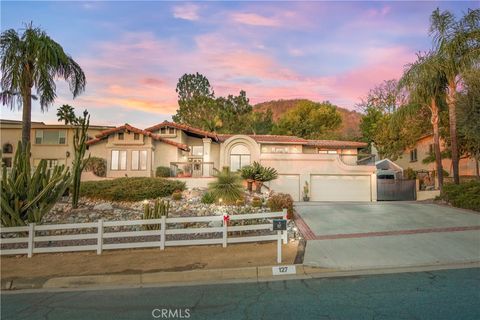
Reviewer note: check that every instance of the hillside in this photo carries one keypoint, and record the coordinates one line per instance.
(350, 128)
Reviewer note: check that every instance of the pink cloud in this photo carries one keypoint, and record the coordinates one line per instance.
(140, 72)
(254, 19)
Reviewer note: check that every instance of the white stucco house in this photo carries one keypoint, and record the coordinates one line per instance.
(331, 168)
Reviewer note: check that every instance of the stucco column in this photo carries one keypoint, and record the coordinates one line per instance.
(207, 148)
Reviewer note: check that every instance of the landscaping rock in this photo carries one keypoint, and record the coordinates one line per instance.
(103, 206)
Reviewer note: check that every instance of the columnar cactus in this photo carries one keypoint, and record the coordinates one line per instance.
(27, 197)
(160, 208)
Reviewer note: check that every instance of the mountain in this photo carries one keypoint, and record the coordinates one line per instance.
(350, 128)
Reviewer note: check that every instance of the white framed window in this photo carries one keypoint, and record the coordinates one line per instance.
(119, 160)
(139, 160)
(239, 157)
(279, 150)
(50, 136)
(197, 150)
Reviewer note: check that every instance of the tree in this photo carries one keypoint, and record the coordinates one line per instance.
(234, 112)
(66, 113)
(457, 46)
(309, 120)
(34, 60)
(386, 97)
(196, 101)
(469, 116)
(259, 122)
(426, 84)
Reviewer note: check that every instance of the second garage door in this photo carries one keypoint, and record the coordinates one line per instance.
(287, 183)
(340, 188)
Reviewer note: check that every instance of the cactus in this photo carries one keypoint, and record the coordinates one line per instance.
(27, 197)
(66, 113)
(160, 208)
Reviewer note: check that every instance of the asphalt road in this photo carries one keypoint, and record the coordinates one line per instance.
(450, 294)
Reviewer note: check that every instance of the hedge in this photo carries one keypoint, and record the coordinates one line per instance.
(130, 189)
(464, 195)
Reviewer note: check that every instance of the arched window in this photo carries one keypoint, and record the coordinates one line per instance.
(239, 157)
(7, 148)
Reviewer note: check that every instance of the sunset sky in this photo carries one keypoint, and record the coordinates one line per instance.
(134, 52)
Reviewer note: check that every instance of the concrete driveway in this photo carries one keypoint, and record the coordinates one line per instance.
(387, 234)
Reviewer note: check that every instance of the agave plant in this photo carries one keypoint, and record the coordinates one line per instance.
(228, 186)
(27, 197)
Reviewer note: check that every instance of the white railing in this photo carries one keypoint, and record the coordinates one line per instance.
(27, 234)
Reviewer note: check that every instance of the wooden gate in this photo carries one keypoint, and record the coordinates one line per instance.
(396, 190)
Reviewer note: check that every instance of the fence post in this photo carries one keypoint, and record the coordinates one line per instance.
(163, 232)
(100, 236)
(279, 246)
(225, 232)
(31, 237)
(285, 233)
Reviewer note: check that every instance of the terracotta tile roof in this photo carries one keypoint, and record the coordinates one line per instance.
(336, 144)
(268, 138)
(126, 127)
(184, 127)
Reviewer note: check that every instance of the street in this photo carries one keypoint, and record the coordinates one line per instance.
(448, 294)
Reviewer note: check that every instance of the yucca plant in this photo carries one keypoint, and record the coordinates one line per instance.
(263, 174)
(228, 186)
(27, 197)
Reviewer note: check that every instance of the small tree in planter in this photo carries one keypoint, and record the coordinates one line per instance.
(263, 174)
(249, 173)
(305, 192)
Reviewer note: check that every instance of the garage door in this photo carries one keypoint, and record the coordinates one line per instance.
(287, 183)
(340, 188)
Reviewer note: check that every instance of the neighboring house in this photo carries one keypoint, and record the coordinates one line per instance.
(413, 158)
(330, 167)
(51, 142)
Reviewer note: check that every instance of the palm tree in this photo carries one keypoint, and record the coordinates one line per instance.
(457, 45)
(262, 175)
(425, 83)
(34, 60)
(228, 187)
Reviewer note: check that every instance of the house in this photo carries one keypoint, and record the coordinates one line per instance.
(51, 142)
(413, 158)
(332, 168)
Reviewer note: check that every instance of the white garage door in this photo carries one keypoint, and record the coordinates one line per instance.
(340, 188)
(287, 183)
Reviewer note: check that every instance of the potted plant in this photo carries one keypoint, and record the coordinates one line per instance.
(305, 192)
(248, 173)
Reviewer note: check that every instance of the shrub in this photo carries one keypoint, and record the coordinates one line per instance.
(177, 195)
(228, 187)
(465, 195)
(97, 165)
(130, 189)
(280, 201)
(240, 202)
(409, 174)
(208, 198)
(162, 172)
(256, 202)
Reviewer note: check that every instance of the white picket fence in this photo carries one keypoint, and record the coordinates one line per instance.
(31, 239)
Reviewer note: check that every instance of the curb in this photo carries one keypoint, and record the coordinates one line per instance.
(203, 277)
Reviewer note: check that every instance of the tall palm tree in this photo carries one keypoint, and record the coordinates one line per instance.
(457, 45)
(34, 60)
(426, 82)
